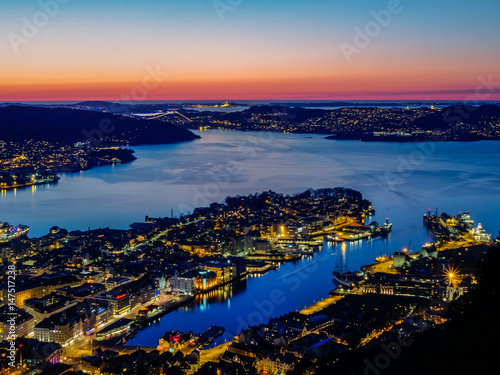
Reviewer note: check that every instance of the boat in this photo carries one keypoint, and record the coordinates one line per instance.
(343, 277)
(335, 238)
(380, 230)
(354, 236)
(382, 258)
(355, 232)
(386, 228)
(9, 233)
(480, 234)
(346, 278)
(148, 313)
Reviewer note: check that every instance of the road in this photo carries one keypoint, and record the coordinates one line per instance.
(158, 235)
(214, 354)
(83, 347)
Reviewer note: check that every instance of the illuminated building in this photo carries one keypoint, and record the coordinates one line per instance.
(205, 280)
(117, 302)
(225, 270)
(183, 284)
(66, 326)
(38, 287)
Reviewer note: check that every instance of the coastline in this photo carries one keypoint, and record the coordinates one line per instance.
(403, 139)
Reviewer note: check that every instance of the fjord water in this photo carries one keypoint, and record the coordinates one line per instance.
(402, 180)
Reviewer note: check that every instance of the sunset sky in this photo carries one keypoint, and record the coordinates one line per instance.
(255, 49)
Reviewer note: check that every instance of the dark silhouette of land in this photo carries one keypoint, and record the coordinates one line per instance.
(67, 126)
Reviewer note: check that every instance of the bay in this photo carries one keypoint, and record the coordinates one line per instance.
(402, 180)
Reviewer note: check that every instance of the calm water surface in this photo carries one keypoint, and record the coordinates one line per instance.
(402, 181)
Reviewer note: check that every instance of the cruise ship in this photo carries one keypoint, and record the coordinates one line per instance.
(358, 232)
(9, 232)
(480, 234)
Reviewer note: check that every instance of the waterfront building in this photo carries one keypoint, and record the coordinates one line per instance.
(239, 264)
(205, 280)
(428, 251)
(225, 270)
(411, 286)
(308, 225)
(403, 288)
(174, 341)
(183, 284)
(241, 349)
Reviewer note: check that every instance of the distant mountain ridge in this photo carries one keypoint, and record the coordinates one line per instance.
(62, 125)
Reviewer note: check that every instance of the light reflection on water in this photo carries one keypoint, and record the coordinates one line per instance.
(453, 177)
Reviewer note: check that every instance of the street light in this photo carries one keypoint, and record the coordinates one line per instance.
(452, 275)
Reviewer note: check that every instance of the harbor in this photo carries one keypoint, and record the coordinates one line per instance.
(10, 233)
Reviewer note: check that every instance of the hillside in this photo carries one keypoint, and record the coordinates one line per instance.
(61, 125)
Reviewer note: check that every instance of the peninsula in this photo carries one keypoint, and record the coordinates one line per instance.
(37, 143)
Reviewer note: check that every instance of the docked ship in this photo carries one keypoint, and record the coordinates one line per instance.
(346, 278)
(149, 312)
(9, 233)
(355, 232)
(480, 234)
(335, 238)
(358, 232)
(343, 277)
(382, 258)
(381, 230)
(449, 228)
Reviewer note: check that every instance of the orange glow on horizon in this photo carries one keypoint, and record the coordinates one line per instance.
(312, 88)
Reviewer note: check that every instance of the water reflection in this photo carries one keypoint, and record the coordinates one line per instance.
(456, 177)
(221, 294)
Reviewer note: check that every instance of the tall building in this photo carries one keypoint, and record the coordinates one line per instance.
(183, 284)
